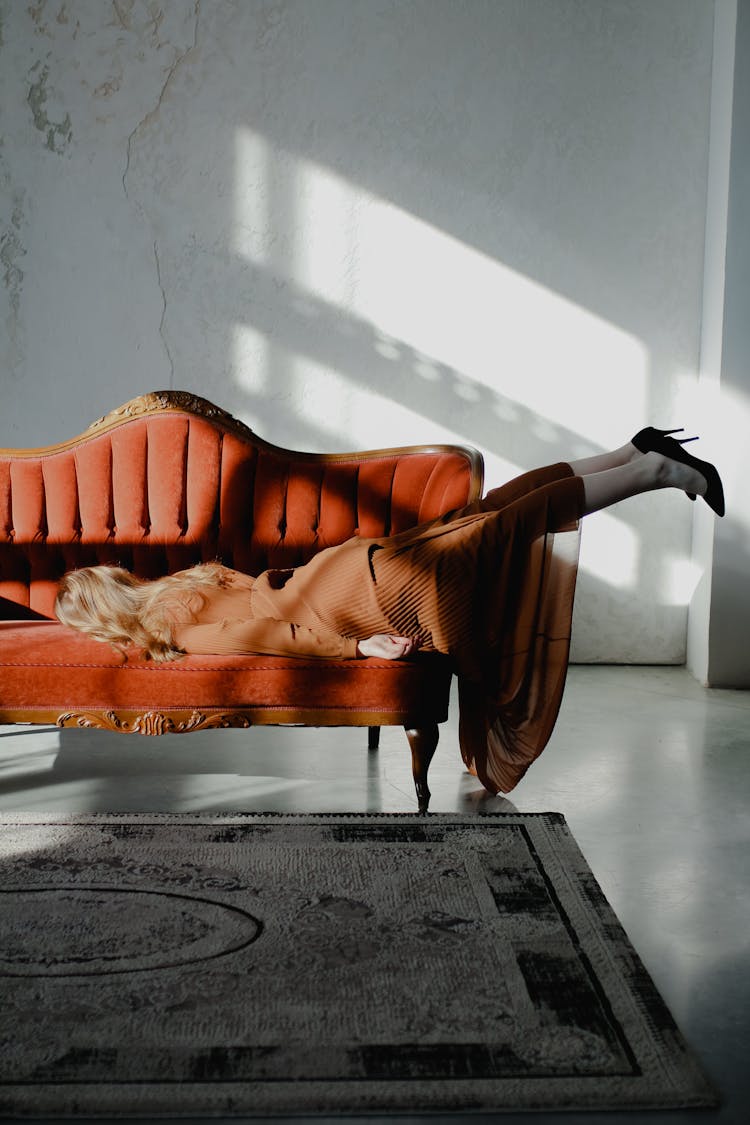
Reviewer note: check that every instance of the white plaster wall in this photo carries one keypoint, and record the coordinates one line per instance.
(367, 222)
(712, 322)
(719, 620)
(729, 646)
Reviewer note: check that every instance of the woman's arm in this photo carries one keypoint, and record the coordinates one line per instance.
(263, 636)
(267, 636)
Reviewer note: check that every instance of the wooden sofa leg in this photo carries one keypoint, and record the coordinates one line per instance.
(373, 738)
(423, 742)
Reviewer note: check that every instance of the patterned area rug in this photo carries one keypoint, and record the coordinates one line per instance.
(262, 964)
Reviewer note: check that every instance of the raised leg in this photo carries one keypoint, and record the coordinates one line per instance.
(373, 738)
(423, 742)
(600, 462)
(646, 473)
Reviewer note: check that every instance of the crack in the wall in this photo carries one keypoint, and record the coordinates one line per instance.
(163, 315)
(153, 113)
(142, 124)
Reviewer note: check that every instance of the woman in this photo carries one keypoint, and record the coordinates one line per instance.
(484, 584)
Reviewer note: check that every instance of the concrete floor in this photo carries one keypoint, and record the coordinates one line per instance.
(651, 771)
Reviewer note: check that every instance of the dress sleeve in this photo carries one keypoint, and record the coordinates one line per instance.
(264, 636)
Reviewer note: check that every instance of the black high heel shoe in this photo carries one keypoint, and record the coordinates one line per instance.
(644, 441)
(659, 441)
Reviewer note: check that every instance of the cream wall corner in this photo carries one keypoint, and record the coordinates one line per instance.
(719, 618)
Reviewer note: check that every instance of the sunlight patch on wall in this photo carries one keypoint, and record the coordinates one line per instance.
(679, 580)
(329, 402)
(420, 288)
(611, 551)
(326, 257)
(252, 213)
(492, 324)
(720, 414)
(249, 357)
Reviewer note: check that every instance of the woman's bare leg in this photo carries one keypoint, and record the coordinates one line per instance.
(600, 462)
(645, 473)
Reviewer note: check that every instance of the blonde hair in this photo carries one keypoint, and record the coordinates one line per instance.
(110, 604)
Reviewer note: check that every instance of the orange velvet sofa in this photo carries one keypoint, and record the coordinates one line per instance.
(169, 480)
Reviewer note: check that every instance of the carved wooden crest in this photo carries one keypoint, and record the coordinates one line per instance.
(159, 401)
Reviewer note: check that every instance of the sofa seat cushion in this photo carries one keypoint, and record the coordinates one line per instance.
(45, 666)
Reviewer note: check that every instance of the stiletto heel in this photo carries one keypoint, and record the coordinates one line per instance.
(659, 441)
(644, 439)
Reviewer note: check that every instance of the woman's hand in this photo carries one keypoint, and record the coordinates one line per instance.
(387, 647)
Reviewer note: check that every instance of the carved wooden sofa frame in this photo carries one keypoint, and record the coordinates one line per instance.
(169, 480)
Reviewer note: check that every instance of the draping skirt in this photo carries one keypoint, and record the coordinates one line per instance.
(492, 585)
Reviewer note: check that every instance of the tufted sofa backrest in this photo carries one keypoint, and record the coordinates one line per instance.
(169, 480)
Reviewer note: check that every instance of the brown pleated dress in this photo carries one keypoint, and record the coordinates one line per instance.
(494, 588)
(491, 585)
